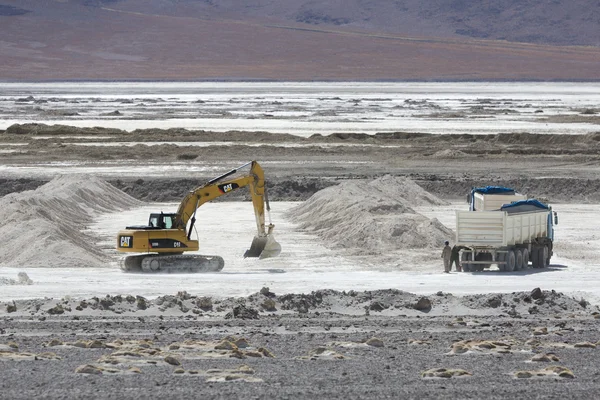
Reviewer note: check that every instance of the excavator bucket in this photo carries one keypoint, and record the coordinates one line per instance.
(263, 247)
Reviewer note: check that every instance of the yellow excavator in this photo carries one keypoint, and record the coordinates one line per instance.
(167, 236)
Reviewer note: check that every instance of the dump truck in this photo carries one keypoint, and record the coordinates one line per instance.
(505, 228)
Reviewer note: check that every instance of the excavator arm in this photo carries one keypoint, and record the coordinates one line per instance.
(263, 244)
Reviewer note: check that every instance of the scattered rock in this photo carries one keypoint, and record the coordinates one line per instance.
(265, 291)
(374, 342)
(424, 304)
(225, 345)
(204, 303)
(322, 353)
(88, 369)
(444, 373)
(95, 344)
(269, 305)
(536, 294)
(172, 360)
(56, 310)
(11, 307)
(242, 312)
(552, 371)
(141, 303)
(585, 345)
(494, 302)
(377, 306)
(540, 331)
(549, 357)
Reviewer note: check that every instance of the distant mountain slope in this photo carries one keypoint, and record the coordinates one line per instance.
(300, 39)
(556, 22)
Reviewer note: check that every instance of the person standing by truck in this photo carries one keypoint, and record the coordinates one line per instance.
(446, 253)
(455, 257)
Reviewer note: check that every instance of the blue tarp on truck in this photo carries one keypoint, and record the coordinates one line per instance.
(493, 190)
(524, 206)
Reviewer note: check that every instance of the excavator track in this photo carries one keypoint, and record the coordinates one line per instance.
(157, 263)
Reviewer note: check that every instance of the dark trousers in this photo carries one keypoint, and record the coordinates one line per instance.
(455, 261)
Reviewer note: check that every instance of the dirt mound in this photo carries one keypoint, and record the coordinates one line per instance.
(449, 153)
(373, 216)
(43, 227)
(43, 129)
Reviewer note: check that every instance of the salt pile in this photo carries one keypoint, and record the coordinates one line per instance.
(43, 227)
(22, 279)
(371, 217)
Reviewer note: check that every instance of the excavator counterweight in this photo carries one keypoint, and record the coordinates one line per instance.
(161, 243)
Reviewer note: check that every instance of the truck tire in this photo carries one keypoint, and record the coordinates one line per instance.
(483, 257)
(510, 261)
(466, 267)
(545, 257)
(500, 257)
(525, 264)
(535, 257)
(518, 259)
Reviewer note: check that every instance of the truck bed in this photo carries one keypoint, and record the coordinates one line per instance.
(495, 229)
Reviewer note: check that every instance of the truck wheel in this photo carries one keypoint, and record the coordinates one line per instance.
(545, 257)
(518, 260)
(510, 261)
(466, 267)
(500, 258)
(525, 253)
(535, 257)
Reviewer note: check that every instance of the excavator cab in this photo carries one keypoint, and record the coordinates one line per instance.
(161, 221)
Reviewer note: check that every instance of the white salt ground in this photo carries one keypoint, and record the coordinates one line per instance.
(306, 263)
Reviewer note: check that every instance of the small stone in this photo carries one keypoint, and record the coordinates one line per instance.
(269, 305)
(245, 369)
(179, 371)
(586, 345)
(225, 345)
(459, 348)
(265, 352)
(184, 295)
(544, 358)
(540, 331)
(241, 343)
(494, 302)
(88, 369)
(374, 342)
(81, 344)
(424, 304)
(377, 306)
(265, 291)
(141, 303)
(444, 373)
(95, 344)
(536, 294)
(172, 360)
(56, 310)
(205, 303)
(523, 374)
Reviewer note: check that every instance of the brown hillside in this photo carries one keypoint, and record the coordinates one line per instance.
(299, 40)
